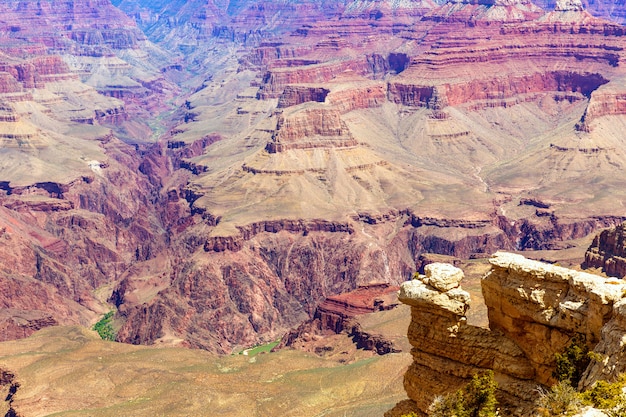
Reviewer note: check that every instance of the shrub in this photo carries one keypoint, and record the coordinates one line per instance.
(608, 396)
(476, 399)
(105, 328)
(571, 364)
(561, 400)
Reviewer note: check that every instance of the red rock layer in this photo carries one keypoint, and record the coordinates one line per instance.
(33, 73)
(462, 52)
(336, 314)
(311, 128)
(59, 242)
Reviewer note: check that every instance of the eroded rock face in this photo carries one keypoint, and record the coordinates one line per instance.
(608, 252)
(336, 314)
(535, 309)
(338, 145)
(540, 306)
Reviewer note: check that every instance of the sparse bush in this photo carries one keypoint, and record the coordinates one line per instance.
(476, 399)
(105, 328)
(571, 364)
(561, 400)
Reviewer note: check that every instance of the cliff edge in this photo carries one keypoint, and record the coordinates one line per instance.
(535, 311)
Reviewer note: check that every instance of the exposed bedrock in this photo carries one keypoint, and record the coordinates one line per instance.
(236, 298)
(221, 296)
(33, 73)
(503, 87)
(310, 128)
(275, 80)
(62, 241)
(609, 101)
(268, 52)
(294, 95)
(336, 314)
(76, 27)
(608, 252)
(547, 231)
(535, 310)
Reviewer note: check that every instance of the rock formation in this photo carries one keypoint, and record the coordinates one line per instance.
(337, 314)
(282, 153)
(535, 310)
(608, 252)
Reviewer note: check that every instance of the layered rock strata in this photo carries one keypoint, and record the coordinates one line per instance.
(535, 310)
(337, 314)
(608, 252)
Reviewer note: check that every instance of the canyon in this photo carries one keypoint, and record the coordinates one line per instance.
(216, 173)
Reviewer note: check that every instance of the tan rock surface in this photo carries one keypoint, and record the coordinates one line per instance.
(535, 309)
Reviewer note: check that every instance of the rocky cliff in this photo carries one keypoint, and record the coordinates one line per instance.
(607, 252)
(535, 310)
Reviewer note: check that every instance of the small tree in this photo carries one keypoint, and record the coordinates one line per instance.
(571, 364)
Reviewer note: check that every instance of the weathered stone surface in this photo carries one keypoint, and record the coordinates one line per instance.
(535, 309)
(443, 277)
(540, 306)
(338, 313)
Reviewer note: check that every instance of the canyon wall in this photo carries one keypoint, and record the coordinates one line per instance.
(608, 252)
(535, 311)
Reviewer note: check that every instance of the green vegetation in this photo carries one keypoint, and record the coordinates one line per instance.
(476, 399)
(561, 400)
(571, 364)
(105, 328)
(266, 348)
(564, 400)
(608, 396)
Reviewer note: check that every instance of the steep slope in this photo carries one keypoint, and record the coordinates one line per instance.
(322, 146)
(607, 253)
(75, 209)
(100, 45)
(345, 154)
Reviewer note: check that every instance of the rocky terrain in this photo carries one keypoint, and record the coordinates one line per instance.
(607, 252)
(535, 311)
(213, 174)
(339, 314)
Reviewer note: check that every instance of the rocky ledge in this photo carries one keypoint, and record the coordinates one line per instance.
(535, 311)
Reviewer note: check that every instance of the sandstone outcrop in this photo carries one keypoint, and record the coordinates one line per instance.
(535, 310)
(608, 252)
